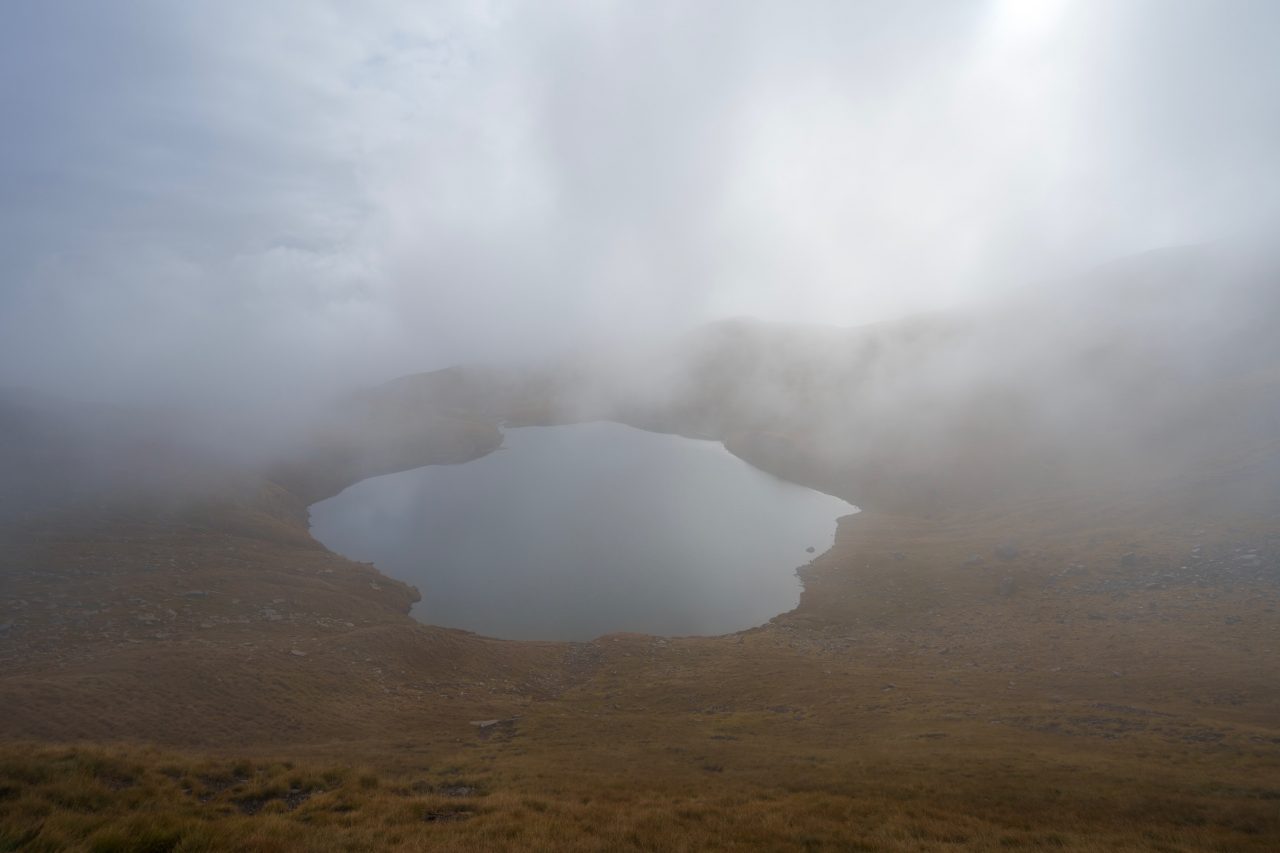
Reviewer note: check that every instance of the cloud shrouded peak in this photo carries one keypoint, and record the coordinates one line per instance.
(241, 200)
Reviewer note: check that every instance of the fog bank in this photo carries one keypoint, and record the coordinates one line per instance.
(239, 207)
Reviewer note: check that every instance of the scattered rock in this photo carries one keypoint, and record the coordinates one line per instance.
(251, 805)
(299, 652)
(295, 798)
(1007, 551)
(484, 724)
(1129, 559)
(458, 791)
(973, 560)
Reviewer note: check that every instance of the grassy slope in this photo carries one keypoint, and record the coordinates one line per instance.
(910, 702)
(209, 678)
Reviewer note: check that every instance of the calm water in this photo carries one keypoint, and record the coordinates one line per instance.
(570, 532)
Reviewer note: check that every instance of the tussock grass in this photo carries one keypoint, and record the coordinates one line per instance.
(918, 699)
(145, 801)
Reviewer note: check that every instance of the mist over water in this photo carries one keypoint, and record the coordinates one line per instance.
(571, 532)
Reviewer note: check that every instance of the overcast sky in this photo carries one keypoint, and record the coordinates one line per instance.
(209, 198)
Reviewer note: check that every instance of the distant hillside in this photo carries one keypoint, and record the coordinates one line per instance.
(1156, 369)
(1052, 625)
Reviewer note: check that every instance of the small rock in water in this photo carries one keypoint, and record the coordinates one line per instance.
(1129, 559)
(299, 652)
(810, 549)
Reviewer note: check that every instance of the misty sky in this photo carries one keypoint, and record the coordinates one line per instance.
(258, 197)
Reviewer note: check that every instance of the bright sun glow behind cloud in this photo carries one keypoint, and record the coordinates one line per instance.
(1024, 20)
(325, 190)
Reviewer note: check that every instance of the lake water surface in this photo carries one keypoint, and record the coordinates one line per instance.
(570, 532)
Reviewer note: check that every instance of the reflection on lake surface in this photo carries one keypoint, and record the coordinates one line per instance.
(570, 532)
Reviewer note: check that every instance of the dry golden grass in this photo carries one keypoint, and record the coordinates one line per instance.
(211, 679)
(908, 798)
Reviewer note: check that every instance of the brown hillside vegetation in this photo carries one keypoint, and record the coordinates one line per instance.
(1044, 631)
(924, 704)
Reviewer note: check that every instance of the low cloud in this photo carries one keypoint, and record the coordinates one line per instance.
(237, 204)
